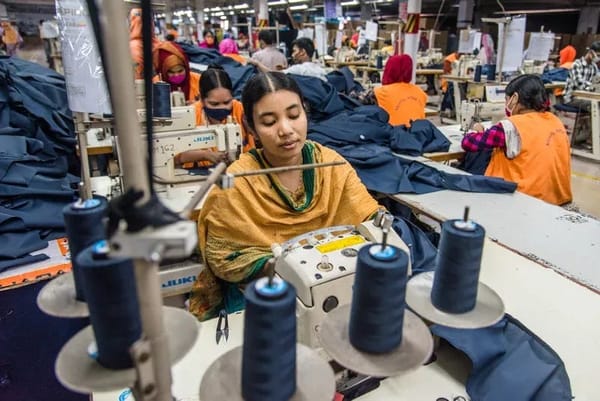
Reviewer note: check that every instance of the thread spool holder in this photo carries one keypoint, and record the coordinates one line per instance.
(488, 308)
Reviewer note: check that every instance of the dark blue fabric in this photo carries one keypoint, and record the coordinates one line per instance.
(238, 73)
(567, 107)
(382, 171)
(422, 252)
(29, 343)
(25, 260)
(556, 74)
(343, 81)
(38, 167)
(509, 363)
(476, 162)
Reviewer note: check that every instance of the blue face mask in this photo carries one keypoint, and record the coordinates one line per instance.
(217, 114)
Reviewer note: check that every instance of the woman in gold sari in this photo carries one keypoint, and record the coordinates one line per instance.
(237, 226)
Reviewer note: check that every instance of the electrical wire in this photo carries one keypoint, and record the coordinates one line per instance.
(437, 17)
(501, 6)
(148, 69)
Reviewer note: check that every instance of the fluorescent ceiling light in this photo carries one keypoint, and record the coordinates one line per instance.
(218, 14)
(300, 7)
(553, 10)
(277, 3)
(223, 17)
(349, 3)
(215, 9)
(298, 1)
(206, 10)
(240, 6)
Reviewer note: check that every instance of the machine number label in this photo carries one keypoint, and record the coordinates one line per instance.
(162, 149)
(340, 244)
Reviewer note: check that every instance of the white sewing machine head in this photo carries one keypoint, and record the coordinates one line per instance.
(166, 145)
(476, 111)
(321, 266)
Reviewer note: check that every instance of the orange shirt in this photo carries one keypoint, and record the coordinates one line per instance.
(237, 57)
(194, 91)
(237, 113)
(403, 102)
(543, 167)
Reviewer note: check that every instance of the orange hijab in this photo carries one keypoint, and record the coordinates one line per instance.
(168, 55)
(135, 41)
(10, 35)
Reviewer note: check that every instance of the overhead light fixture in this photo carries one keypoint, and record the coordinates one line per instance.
(300, 7)
(552, 10)
(206, 10)
(349, 3)
(240, 6)
(218, 14)
(223, 17)
(298, 1)
(277, 3)
(215, 9)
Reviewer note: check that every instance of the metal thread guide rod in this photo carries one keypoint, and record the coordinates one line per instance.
(386, 227)
(465, 224)
(271, 271)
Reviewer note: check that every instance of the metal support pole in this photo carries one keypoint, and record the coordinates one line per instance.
(80, 118)
(411, 43)
(135, 176)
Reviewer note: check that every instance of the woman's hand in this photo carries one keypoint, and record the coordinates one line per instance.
(216, 157)
(477, 127)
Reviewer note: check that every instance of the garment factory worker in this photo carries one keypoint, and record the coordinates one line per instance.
(403, 101)
(11, 38)
(216, 104)
(229, 48)
(303, 50)
(447, 67)
(209, 41)
(171, 62)
(567, 57)
(136, 41)
(269, 55)
(530, 147)
(584, 70)
(237, 226)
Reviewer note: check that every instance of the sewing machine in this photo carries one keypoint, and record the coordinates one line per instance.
(429, 57)
(321, 265)
(473, 111)
(461, 67)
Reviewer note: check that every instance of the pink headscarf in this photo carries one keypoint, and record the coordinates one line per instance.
(397, 69)
(228, 46)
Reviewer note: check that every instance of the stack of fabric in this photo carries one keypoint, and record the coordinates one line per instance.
(38, 164)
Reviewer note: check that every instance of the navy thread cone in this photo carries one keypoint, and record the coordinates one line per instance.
(378, 301)
(458, 264)
(110, 290)
(84, 227)
(269, 350)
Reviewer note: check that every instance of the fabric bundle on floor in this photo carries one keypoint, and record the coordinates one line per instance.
(38, 165)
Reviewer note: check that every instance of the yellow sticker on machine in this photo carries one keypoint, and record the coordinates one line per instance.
(340, 244)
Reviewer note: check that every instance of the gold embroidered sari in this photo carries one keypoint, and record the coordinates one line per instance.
(237, 226)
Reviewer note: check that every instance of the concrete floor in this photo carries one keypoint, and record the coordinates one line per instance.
(585, 173)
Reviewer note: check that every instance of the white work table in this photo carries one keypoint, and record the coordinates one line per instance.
(562, 313)
(565, 241)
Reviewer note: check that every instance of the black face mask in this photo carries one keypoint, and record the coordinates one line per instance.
(217, 114)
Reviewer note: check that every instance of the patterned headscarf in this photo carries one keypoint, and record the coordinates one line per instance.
(168, 55)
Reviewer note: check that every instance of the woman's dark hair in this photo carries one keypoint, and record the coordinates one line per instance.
(531, 91)
(262, 84)
(204, 33)
(214, 77)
